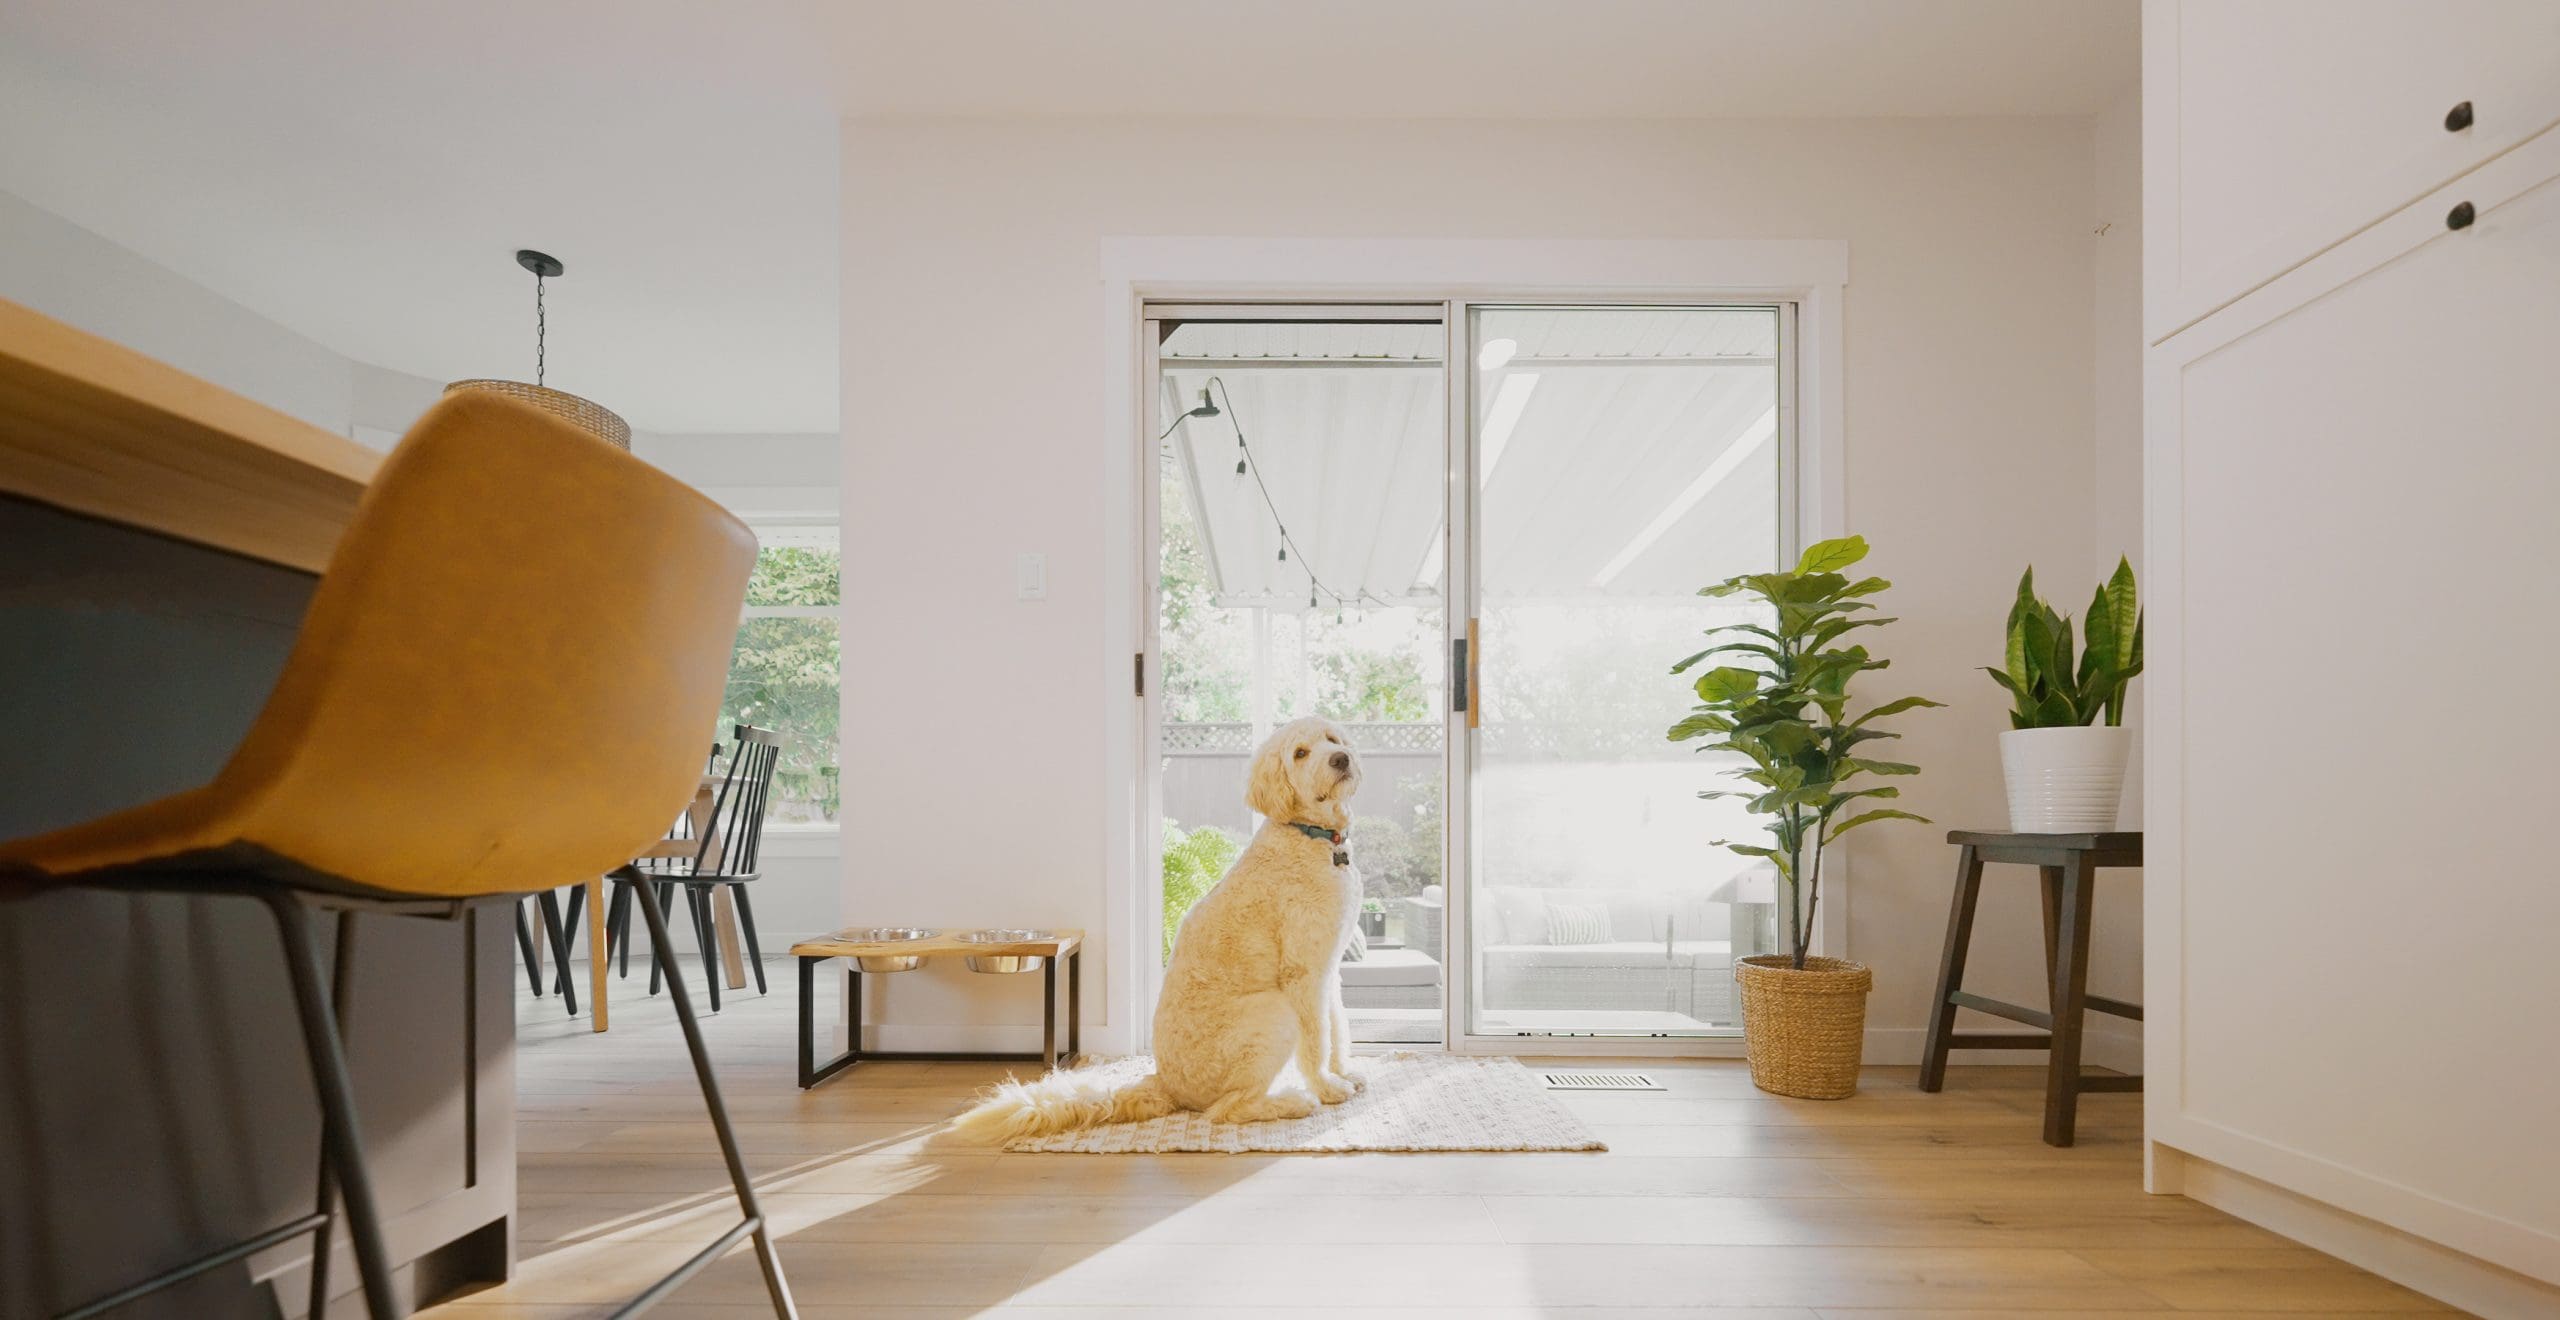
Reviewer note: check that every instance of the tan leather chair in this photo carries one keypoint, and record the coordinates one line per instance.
(502, 684)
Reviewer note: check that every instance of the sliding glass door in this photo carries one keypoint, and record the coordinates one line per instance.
(1621, 458)
(1343, 502)
(1300, 469)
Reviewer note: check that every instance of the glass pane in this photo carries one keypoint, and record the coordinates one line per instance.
(784, 676)
(1301, 573)
(1624, 458)
(797, 574)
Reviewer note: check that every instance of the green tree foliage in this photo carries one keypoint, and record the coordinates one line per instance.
(1206, 656)
(1193, 864)
(786, 674)
(1785, 710)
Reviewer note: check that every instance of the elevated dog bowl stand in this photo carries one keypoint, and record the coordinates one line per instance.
(1055, 947)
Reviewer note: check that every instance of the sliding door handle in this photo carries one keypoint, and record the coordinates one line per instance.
(1475, 677)
(1458, 686)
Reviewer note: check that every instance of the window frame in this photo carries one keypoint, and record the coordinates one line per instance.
(800, 531)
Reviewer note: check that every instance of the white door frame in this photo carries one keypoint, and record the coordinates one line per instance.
(1809, 276)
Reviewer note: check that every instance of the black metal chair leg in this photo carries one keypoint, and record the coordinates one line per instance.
(657, 972)
(341, 989)
(747, 927)
(617, 926)
(699, 896)
(524, 946)
(548, 902)
(569, 928)
(337, 1107)
(754, 1224)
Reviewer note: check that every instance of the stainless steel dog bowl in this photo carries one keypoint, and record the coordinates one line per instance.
(1000, 964)
(889, 935)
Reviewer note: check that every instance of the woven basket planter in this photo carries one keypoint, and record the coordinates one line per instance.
(1804, 1031)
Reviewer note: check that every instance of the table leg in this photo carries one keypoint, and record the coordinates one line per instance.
(596, 960)
(2070, 1005)
(1942, 1014)
(1049, 1013)
(2052, 878)
(724, 915)
(1075, 1005)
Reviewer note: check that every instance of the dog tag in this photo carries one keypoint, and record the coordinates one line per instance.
(1341, 857)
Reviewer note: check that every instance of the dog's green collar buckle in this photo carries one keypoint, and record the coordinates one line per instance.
(1341, 856)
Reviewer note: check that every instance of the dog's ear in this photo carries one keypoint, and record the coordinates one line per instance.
(1267, 789)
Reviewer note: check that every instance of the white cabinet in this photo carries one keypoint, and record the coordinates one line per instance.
(2275, 128)
(2351, 470)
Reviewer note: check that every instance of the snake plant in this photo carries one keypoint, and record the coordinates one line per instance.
(2052, 690)
(1785, 710)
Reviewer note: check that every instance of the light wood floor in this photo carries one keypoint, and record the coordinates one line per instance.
(1713, 1200)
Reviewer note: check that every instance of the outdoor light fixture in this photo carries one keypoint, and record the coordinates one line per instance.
(1206, 409)
(586, 414)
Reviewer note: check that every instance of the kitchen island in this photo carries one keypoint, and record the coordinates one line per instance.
(159, 540)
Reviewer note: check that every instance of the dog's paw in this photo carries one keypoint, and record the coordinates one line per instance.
(1334, 1090)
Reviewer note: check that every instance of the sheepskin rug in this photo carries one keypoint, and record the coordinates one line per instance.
(1414, 1101)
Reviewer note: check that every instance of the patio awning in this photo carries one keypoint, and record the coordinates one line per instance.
(1630, 454)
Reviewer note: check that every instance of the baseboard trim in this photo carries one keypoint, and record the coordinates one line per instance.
(2101, 1046)
(2441, 1272)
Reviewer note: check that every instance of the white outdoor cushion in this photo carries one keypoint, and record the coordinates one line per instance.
(1392, 967)
(1577, 923)
(1519, 915)
(1618, 955)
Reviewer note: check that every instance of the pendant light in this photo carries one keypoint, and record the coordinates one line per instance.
(587, 415)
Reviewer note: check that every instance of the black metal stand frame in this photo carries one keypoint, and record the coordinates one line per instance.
(812, 1071)
(753, 1223)
(2068, 864)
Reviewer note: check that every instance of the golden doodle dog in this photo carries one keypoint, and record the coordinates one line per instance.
(1255, 983)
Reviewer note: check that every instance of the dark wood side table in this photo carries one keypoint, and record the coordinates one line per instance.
(2069, 863)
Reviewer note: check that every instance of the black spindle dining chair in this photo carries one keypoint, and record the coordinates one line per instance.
(724, 855)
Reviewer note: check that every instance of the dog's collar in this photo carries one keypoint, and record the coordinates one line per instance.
(1325, 833)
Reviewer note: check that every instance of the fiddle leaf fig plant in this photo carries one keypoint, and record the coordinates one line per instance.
(2052, 690)
(1781, 702)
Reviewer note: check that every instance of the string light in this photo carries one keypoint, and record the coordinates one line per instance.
(1246, 467)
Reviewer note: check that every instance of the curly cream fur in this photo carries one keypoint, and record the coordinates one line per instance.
(1255, 982)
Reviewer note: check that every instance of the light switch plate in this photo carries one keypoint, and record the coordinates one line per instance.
(1031, 576)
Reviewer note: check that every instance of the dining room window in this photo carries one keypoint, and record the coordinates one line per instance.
(785, 672)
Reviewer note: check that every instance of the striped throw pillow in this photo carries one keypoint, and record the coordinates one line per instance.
(1577, 923)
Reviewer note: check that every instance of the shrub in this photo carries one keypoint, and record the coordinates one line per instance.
(1192, 865)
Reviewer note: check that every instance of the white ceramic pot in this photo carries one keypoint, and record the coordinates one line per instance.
(2064, 781)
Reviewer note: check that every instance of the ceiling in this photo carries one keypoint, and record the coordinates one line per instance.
(1487, 59)
(363, 173)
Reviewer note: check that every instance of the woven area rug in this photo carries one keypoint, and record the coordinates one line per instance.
(1413, 1102)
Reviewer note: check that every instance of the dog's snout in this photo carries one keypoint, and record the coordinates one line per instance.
(1342, 760)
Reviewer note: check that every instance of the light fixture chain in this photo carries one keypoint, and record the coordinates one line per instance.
(541, 325)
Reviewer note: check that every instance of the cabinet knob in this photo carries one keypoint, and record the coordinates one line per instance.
(2461, 216)
(2458, 118)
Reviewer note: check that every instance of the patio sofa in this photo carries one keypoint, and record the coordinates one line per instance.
(1659, 950)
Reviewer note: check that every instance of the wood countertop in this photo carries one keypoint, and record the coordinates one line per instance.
(98, 429)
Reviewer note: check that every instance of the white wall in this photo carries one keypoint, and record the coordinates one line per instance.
(975, 390)
(66, 272)
(2115, 528)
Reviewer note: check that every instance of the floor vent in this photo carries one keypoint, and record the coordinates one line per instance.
(1600, 1081)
